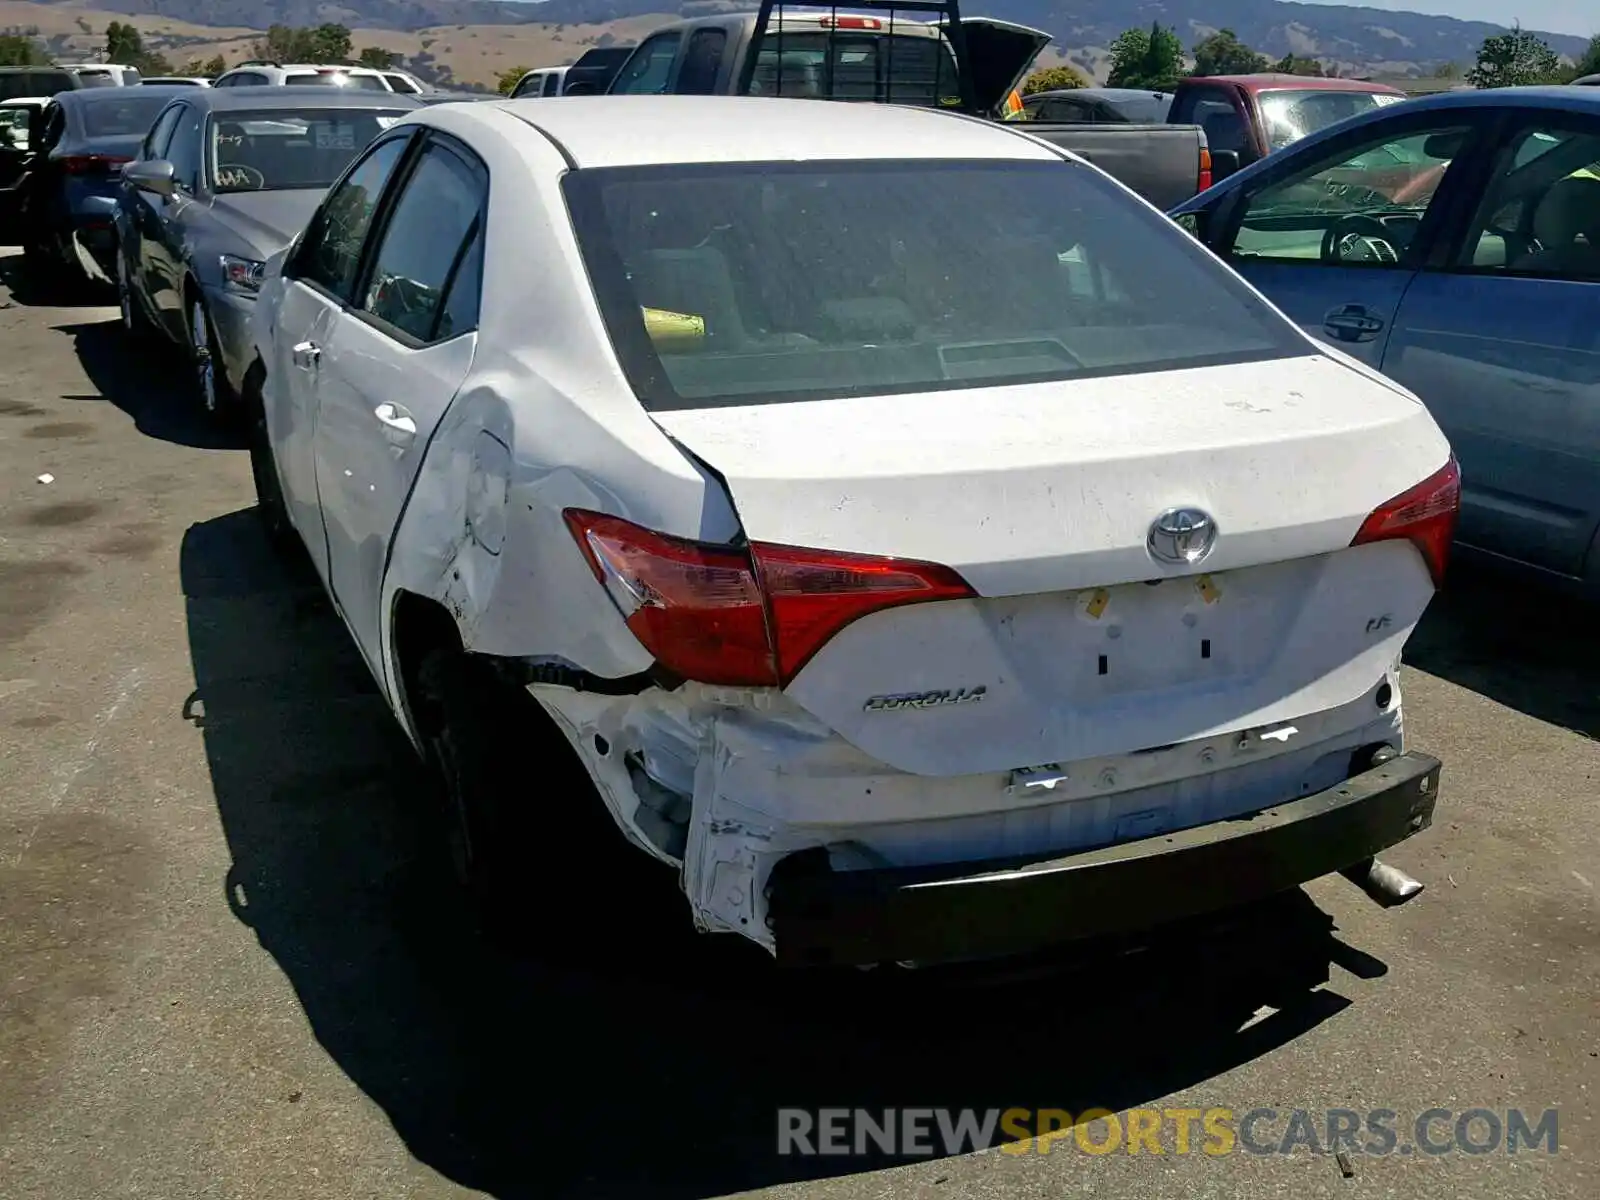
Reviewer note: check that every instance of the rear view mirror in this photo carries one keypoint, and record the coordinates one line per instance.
(1223, 164)
(153, 175)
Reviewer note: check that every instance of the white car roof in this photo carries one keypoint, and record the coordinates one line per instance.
(624, 131)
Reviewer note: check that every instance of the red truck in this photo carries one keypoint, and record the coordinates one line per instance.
(1247, 117)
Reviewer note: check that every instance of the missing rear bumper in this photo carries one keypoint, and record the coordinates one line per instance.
(1003, 907)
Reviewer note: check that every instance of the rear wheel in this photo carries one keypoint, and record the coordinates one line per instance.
(134, 322)
(271, 508)
(477, 728)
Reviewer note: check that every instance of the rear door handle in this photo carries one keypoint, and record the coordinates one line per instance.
(1353, 323)
(307, 355)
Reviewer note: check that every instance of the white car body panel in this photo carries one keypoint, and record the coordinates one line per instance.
(1040, 498)
(378, 403)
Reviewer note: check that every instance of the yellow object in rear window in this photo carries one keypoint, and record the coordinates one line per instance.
(673, 330)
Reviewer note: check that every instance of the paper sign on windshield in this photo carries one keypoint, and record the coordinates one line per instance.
(336, 137)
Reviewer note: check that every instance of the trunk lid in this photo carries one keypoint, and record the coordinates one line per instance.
(1042, 497)
(1001, 53)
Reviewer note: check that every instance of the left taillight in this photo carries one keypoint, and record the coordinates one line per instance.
(748, 616)
(93, 164)
(1425, 515)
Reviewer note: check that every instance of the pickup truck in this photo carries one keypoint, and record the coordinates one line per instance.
(1247, 117)
(900, 61)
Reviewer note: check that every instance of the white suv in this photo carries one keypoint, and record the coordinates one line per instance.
(106, 75)
(312, 75)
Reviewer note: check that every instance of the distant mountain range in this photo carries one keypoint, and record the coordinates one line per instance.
(1365, 39)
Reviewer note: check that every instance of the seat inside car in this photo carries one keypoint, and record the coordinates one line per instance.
(1567, 224)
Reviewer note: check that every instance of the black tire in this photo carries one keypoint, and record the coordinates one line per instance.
(271, 508)
(135, 325)
(477, 728)
(215, 394)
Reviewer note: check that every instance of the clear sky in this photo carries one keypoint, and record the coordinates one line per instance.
(1581, 17)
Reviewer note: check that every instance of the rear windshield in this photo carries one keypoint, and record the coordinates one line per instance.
(367, 83)
(130, 113)
(898, 69)
(762, 282)
(34, 83)
(1291, 115)
(1142, 110)
(274, 150)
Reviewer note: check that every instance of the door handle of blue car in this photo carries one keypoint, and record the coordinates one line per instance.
(1353, 323)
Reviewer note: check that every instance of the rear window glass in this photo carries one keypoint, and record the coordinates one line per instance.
(276, 150)
(761, 282)
(898, 69)
(34, 83)
(367, 83)
(1142, 110)
(125, 116)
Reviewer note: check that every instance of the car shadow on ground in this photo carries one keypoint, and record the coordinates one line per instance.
(58, 289)
(1519, 641)
(603, 1058)
(151, 383)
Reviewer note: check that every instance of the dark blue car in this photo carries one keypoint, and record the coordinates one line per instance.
(1453, 243)
(70, 204)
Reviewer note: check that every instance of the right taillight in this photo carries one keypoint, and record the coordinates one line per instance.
(749, 616)
(1205, 178)
(1425, 515)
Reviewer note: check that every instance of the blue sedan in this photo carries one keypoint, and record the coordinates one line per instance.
(1453, 243)
(70, 197)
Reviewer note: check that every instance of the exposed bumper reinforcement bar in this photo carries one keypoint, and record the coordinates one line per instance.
(998, 908)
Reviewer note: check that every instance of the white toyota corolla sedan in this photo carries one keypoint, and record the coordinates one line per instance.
(921, 544)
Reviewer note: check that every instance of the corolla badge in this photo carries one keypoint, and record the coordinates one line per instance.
(934, 699)
(1181, 535)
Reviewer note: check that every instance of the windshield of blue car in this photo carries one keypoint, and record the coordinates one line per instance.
(765, 282)
(293, 148)
(1292, 114)
(122, 117)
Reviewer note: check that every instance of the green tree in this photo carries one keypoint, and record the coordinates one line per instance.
(279, 45)
(1589, 60)
(1054, 79)
(1222, 53)
(1293, 64)
(215, 65)
(123, 44)
(372, 56)
(1514, 59)
(1447, 70)
(505, 83)
(1146, 58)
(19, 51)
(328, 43)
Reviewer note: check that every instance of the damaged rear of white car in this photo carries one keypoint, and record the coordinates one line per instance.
(932, 554)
